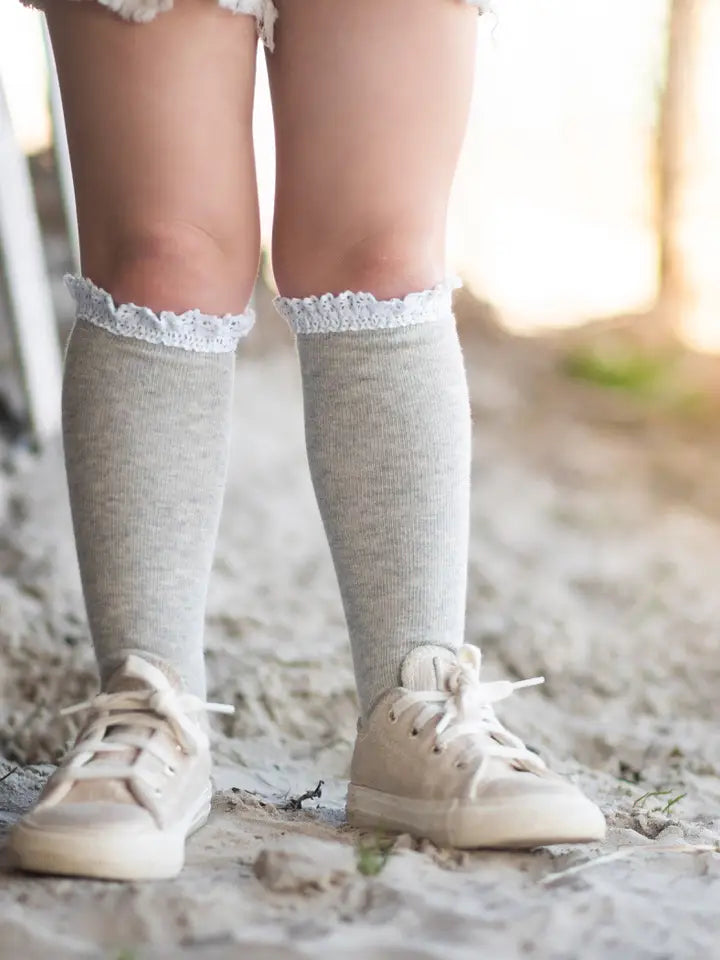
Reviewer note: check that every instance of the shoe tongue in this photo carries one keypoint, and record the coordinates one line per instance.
(136, 673)
(120, 683)
(427, 668)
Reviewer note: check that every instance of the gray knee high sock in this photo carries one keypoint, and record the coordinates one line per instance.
(387, 424)
(146, 427)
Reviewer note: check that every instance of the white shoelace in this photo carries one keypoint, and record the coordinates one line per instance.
(468, 711)
(124, 712)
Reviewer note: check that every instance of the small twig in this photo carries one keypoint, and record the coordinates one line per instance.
(295, 803)
(9, 774)
(626, 852)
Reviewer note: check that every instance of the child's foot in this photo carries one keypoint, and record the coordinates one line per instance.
(433, 760)
(133, 788)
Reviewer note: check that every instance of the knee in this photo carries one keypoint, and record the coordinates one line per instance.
(387, 263)
(178, 267)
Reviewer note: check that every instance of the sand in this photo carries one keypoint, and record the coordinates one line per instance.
(595, 558)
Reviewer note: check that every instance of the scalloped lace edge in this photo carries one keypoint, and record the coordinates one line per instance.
(193, 330)
(348, 311)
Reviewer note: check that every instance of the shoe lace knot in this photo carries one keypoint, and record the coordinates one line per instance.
(466, 710)
(119, 733)
(151, 709)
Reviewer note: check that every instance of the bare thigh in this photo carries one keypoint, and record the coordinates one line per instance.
(159, 120)
(370, 102)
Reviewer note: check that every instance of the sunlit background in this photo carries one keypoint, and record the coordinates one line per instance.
(555, 219)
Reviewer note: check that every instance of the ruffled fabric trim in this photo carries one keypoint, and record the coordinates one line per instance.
(143, 11)
(350, 311)
(193, 330)
(265, 13)
(140, 11)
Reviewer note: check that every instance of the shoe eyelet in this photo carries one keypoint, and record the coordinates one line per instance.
(392, 717)
(437, 749)
(157, 791)
(170, 770)
(461, 765)
(414, 732)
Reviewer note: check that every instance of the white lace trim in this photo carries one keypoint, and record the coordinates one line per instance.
(196, 331)
(350, 311)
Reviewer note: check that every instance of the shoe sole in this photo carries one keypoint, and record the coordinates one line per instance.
(471, 825)
(99, 855)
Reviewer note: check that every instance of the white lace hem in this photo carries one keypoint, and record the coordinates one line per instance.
(350, 311)
(193, 330)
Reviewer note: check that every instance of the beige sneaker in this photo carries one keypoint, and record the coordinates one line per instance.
(133, 788)
(433, 760)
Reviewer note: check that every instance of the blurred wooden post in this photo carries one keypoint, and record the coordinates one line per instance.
(689, 174)
(27, 286)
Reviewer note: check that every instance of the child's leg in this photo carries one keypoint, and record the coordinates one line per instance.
(371, 100)
(159, 123)
(370, 103)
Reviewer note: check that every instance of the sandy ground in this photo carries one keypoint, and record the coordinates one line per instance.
(594, 560)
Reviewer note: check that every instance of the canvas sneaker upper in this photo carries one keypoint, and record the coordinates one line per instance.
(137, 776)
(436, 740)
